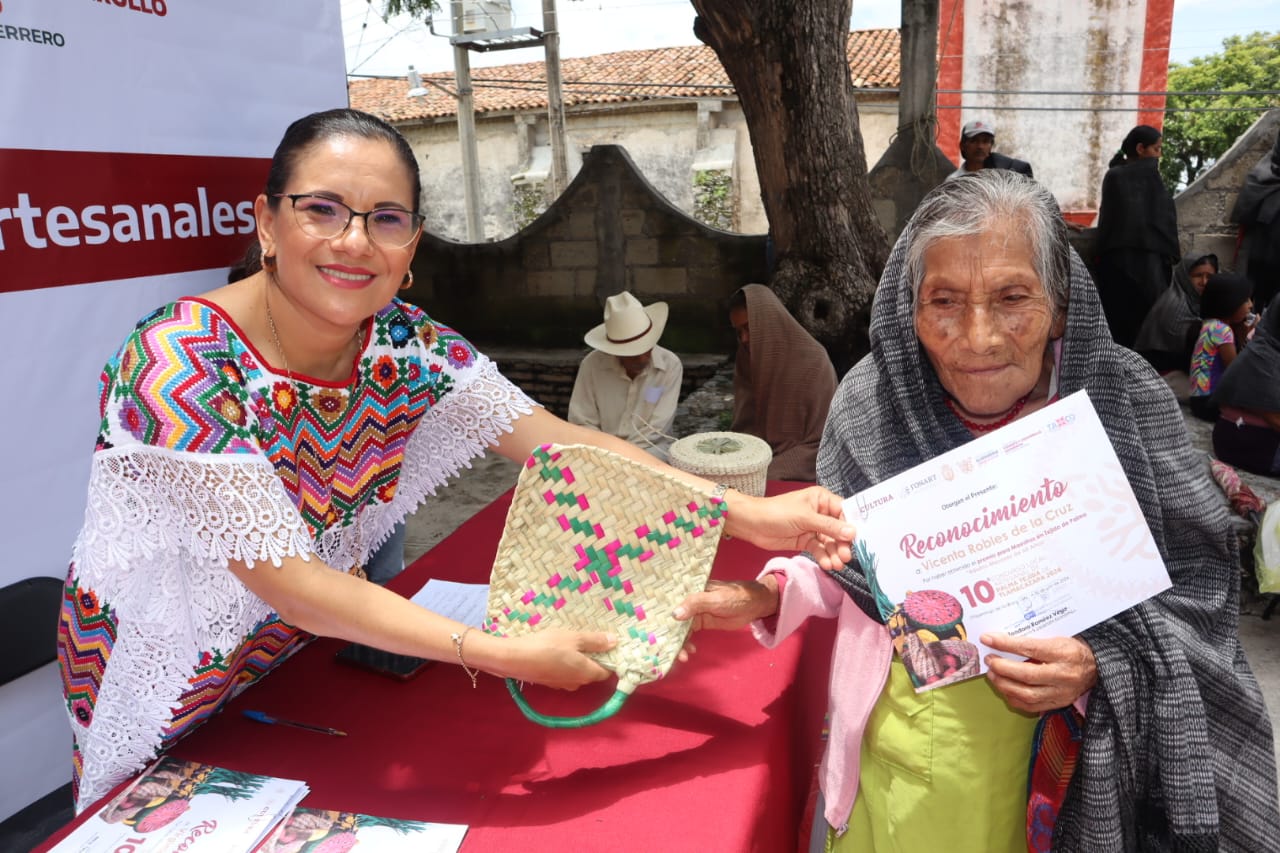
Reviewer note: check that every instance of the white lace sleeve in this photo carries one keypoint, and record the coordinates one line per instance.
(160, 529)
(454, 432)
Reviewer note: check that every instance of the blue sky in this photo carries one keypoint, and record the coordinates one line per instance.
(600, 26)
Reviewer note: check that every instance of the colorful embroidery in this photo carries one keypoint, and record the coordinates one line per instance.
(216, 678)
(86, 636)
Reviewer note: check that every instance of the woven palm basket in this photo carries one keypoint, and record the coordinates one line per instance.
(597, 542)
(736, 459)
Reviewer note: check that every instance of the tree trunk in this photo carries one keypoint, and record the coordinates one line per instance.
(788, 61)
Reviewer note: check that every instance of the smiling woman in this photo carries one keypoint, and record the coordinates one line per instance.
(258, 442)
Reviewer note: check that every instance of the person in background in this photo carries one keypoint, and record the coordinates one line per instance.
(1227, 312)
(1257, 210)
(258, 442)
(1137, 240)
(1168, 334)
(1247, 433)
(983, 315)
(628, 386)
(782, 382)
(977, 138)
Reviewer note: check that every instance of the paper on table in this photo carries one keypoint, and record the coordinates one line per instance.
(178, 805)
(1031, 530)
(465, 602)
(317, 830)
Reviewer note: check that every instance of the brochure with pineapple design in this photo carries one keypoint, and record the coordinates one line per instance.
(317, 831)
(184, 805)
(1030, 530)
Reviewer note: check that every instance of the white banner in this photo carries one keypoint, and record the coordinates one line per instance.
(134, 136)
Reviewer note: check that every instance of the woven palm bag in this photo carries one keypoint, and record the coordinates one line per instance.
(597, 542)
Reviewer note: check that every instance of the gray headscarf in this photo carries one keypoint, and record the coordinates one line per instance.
(1174, 320)
(1177, 751)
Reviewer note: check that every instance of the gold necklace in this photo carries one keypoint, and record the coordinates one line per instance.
(357, 568)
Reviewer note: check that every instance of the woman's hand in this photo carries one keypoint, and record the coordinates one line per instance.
(730, 605)
(553, 657)
(806, 520)
(1058, 670)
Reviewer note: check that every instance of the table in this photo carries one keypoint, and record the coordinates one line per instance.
(718, 756)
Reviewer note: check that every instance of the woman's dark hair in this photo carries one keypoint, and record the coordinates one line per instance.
(324, 125)
(1143, 134)
(248, 264)
(1223, 295)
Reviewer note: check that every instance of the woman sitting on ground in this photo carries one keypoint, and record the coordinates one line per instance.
(1168, 334)
(782, 382)
(1247, 434)
(985, 314)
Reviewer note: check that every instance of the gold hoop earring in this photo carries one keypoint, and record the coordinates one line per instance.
(408, 281)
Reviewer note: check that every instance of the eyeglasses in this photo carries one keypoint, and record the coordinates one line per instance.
(324, 218)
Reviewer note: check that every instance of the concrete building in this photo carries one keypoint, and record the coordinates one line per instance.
(672, 109)
(1063, 80)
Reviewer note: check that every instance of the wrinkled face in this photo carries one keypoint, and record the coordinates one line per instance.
(984, 319)
(1200, 275)
(634, 364)
(738, 319)
(977, 148)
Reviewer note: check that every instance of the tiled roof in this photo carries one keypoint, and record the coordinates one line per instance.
(629, 75)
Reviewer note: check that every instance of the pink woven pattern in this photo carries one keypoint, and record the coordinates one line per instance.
(596, 542)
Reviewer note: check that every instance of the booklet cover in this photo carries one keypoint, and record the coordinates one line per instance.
(1029, 530)
(177, 805)
(316, 831)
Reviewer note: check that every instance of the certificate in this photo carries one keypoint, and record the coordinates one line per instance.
(1030, 530)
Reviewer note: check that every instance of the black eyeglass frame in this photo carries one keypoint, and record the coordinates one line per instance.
(417, 218)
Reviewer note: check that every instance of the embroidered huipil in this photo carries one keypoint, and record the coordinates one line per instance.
(207, 454)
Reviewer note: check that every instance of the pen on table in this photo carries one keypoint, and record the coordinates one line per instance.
(263, 717)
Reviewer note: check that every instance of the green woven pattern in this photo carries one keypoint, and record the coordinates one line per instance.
(596, 542)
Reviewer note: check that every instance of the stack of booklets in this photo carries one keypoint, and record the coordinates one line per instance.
(177, 805)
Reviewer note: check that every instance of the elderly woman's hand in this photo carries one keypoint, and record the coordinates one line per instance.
(730, 605)
(1058, 670)
(809, 520)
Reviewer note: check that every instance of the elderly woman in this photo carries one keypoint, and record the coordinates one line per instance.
(983, 315)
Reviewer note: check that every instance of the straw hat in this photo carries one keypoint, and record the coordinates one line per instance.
(628, 328)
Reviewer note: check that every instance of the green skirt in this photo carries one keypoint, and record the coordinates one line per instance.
(942, 770)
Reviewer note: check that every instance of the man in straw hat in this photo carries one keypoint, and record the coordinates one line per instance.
(629, 385)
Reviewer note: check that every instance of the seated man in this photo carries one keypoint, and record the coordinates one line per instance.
(629, 386)
(977, 138)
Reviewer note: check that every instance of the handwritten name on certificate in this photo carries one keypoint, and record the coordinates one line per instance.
(1030, 530)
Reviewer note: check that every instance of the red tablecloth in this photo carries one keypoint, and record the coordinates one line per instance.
(717, 756)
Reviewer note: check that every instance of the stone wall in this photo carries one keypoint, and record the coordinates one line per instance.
(547, 375)
(609, 232)
(1204, 208)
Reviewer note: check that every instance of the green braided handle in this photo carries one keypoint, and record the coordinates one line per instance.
(604, 712)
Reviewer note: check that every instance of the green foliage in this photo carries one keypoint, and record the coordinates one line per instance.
(713, 198)
(413, 8)
(1193, 140)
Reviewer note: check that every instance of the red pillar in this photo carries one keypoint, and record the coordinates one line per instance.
(1154, 76)
(951, 74)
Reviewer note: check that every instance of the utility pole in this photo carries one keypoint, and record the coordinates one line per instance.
(555, 102)
(467, 131)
